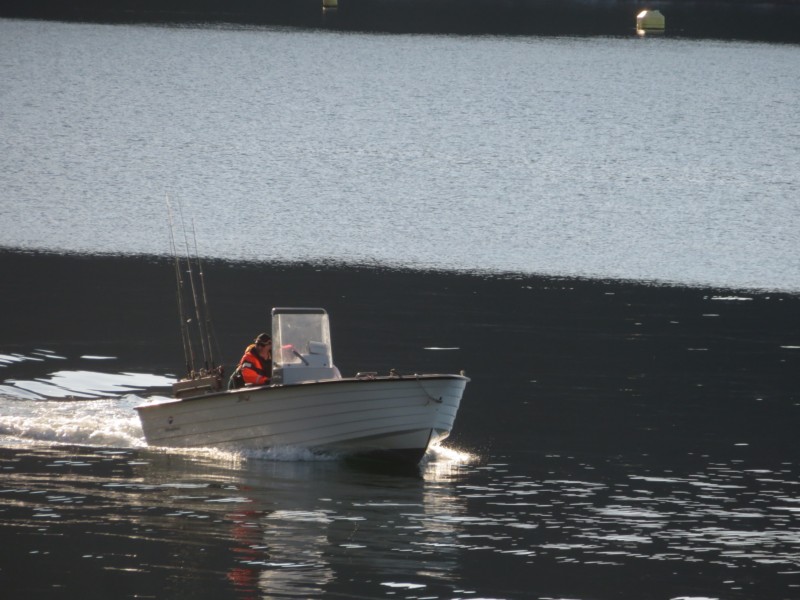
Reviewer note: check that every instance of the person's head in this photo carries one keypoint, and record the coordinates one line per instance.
(263, 343)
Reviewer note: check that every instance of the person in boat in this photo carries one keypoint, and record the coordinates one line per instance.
(255, 367)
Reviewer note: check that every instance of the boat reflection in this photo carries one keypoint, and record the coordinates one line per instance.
(208, 523)
(317, 527)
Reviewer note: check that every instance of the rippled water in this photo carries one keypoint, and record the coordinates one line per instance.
(657, 158)
(617, 440)
(201, 524)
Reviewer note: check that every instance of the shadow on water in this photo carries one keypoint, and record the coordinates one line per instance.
(624, 440)
(383, 466)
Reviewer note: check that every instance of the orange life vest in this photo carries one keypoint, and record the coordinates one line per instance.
(255, 370)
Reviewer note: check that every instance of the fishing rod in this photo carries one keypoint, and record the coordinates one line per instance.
(209, 376)
(210, 336)
(188, 351)
(197, 310)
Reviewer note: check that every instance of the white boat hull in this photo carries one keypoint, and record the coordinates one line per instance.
(394, 416)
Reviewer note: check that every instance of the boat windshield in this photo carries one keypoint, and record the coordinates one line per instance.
(301, 336)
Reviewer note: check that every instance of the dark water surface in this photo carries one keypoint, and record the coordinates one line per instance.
(617, 440)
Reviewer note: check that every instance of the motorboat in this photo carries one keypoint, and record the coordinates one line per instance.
(308, 403)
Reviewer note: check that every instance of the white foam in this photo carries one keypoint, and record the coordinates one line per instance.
(438, 452)
(110, 422)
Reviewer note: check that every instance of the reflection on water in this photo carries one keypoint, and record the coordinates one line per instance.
(713, 517)
(227, 526)
(156, 521)
(71, 384)
(366, 524)
(628, 442)
(279, 523)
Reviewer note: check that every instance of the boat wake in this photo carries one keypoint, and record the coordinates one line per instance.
(440, 453)
(112, 423)
(108, 422)
(79, 406)
(87, 407)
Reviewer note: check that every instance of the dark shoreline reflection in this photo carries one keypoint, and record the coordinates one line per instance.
(660, 364)
(727, 19)
(629, 440)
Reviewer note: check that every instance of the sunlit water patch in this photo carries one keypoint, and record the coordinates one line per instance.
(293, 527)
(723, 515)
(556, 177)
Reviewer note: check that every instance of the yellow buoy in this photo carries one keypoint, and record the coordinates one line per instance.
(330, 4)
(650, 20)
